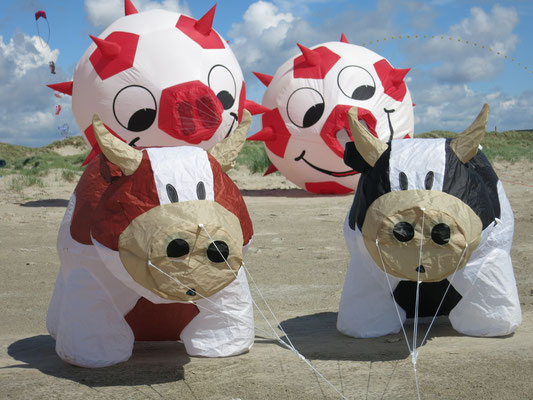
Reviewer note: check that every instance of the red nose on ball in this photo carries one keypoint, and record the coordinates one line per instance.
(190, 111)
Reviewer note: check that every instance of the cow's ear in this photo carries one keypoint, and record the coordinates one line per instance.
(226, 152)
(368, 146)
(466, 145)
(353, 159)
(115, 150)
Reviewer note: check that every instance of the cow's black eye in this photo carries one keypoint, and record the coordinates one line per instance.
(135, 116)
(305, 107)
(428, 182)
(404, 183)
(200, 191)
(172, 194)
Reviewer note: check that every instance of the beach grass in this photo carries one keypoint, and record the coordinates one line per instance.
(30, 164)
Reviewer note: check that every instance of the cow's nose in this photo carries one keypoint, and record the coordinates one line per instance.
(403, 231)
(218, 251)
(440, 234)
(177, 248)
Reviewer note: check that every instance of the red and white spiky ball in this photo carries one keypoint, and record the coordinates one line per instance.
(309, 96)
(158, 78)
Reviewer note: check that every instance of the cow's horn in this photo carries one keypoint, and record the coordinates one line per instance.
(226, 152)
(369, 146)
(116, 151)
(465, 145)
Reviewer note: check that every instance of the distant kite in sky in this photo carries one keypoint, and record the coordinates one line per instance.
(58, 109)
(52, 67)
(38, 15)
(64, 130)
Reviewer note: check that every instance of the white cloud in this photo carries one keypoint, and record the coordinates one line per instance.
(27, 106)
(459, 61)
(102, 13)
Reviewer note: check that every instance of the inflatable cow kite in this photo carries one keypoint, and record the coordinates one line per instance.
(158, 78)
(309, 97)
(431, 211)
(150, 248)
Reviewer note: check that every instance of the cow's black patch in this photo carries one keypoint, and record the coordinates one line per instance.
(373, 183)
(430, 296)
(475, 183)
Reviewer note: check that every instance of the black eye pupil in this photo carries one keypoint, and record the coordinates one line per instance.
(141, 120)
(312, 115)
(218, 251)
(226, 99)
(363, 92)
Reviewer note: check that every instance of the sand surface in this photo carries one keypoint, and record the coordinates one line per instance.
(298, 260)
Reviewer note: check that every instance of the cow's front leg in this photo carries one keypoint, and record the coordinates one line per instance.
(367, 308)
(490, 304)
(225, 325)
(91, 332)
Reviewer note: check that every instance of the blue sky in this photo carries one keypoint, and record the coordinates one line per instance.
(449, 79)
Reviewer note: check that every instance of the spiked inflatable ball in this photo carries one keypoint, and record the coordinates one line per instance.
(158, 78)
(309, 96)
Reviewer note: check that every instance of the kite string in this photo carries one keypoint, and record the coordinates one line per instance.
(289, 346)
(227, 317)
(392, 296)
(417, 300)
(444, 295)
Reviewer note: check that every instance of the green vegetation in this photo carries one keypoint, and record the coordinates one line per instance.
(27, 166)
(509, 146)
(253, 156)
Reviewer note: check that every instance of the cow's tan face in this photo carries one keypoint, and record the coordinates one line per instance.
(170, 238)
(451, 231)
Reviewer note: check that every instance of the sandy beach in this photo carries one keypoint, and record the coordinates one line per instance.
(298, 260)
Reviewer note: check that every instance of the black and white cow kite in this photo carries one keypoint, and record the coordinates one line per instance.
(432, 211)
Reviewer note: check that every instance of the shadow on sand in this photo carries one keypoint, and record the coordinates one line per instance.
(46, 203)
(316, 337)
(290, 193)
(151, 363)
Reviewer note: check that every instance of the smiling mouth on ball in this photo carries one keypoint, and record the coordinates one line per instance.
(235, 118)
(325, 171)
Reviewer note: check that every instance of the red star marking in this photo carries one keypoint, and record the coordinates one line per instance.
(209, 41)
(326, 60)
(89, 134)
(392, 79)
(274, 133)
(105, 67)
(328, 187)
